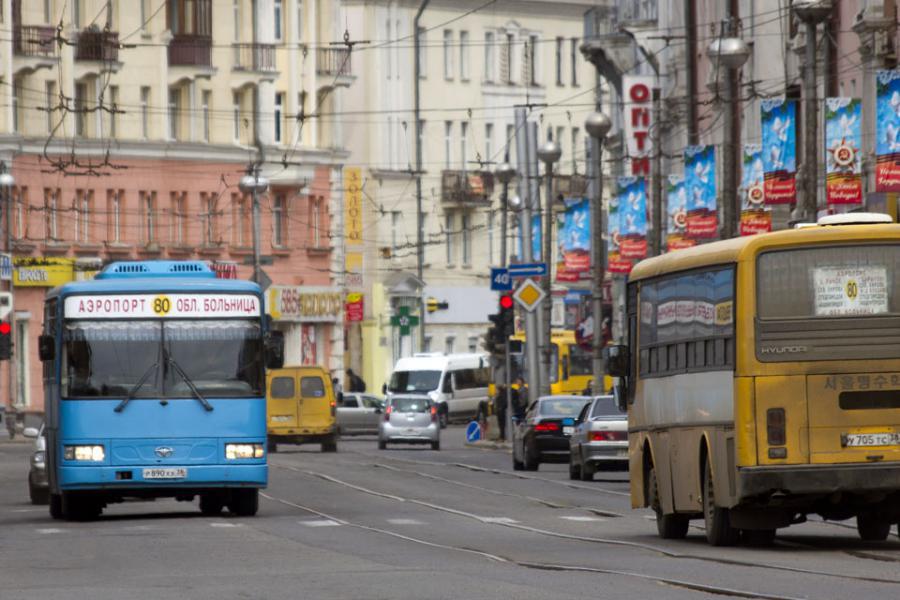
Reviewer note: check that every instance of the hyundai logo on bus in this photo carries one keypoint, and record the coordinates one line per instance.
(164, 452)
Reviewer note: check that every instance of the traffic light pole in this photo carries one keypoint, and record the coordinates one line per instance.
(507, 362)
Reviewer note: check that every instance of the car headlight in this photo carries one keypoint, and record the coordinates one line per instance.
(39, 459)
(93, 453)
(239, 451)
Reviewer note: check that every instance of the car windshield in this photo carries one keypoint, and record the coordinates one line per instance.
(561, 407)
(605, 408)
(410, 405)
(414, 381)
(109, 359)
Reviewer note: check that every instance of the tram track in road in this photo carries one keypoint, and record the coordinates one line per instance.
(542, 566)
(658, 550)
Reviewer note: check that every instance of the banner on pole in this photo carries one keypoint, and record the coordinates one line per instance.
(843, 141)
(755, 218)
(632, 217)
(779, 150)
(676, 210)
(887, 130)
(574, 240)
(700, 185)
(614, 262)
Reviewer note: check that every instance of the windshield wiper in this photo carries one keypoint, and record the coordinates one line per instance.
(134, 389)
(188, 381)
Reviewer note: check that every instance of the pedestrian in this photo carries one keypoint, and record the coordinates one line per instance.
(338, 390)
(500, 410)
(519, 398)
(356, 382)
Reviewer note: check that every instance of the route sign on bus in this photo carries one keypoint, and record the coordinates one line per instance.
(155, 306)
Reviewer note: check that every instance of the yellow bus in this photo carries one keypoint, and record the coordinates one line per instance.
(570, 369)
(762, 381)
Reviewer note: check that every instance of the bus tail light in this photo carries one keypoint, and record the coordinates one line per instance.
(608, 436)
(775, 426)
(546, 427)
(387, 413)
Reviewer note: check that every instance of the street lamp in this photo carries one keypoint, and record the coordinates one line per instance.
(811, 12)
(254, 184)
(7, 181)
(597, 125)
(549, 152)
(505, 173)
(730, 53)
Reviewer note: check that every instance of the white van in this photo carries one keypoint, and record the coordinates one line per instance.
(457, 383)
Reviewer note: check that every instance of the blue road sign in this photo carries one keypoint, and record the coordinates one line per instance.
(6, 267)
(527, 270)
(473, 432)
(500, 280)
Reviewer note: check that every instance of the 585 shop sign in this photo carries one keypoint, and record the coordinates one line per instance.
(130, 306)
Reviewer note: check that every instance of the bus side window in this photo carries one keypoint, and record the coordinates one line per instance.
(447, 387)
(565, 367)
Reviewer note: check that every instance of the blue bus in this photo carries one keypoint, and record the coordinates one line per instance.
(154, 379)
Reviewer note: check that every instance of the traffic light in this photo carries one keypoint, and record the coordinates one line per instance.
(507, 315)
(504, 326)
(5, 340)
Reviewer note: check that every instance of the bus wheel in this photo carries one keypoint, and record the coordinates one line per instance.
(271, 446)
(76, 507)
(669, 527)
(719, 531)
(244, 502)
(211, 503)
(872, 529)
(56, 510)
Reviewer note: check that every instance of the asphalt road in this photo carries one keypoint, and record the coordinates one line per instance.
(418, 524)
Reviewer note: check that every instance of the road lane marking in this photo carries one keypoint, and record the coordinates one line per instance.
(580, 518)
(49, 531)
(225, 525)
(320, 523)
(501, 520)
(405, 522)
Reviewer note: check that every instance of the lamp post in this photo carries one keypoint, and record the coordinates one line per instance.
(7, 181)
(254, 184)
(597, 125)
(505, 173)
(811, 12)
(548, 153)
(731, 53)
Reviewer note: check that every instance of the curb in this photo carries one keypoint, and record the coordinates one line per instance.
(490, 444)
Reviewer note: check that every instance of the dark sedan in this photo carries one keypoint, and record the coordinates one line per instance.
(543, 434)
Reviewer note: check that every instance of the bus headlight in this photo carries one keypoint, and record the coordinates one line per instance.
(238, 451)
(92, 453)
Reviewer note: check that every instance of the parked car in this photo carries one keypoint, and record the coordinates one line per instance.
(600, 439)
(38, 486)
(410, 420)
(359, 413)
(543, 434)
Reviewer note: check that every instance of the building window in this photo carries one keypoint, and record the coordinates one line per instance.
(299, 20)
(145, 112)
(490, 236)
(236, 17)
(209, 205)
(576, 148)
(80, 108)
(51, 209)
(448, 232)
(560, 131)
(531, 58)
(174, 112)
(278, 206)
(315, 231)
(448, 143)
(506, 70)
(395, 229)
(76, 13)
(236, 116)
(559, 60)
(114, 107)
(240, 220)
(47, 11)
(114, 223)
(488, 142)
(20, 199)
(148, 213)
(179, 237)
(50, 87)
(82, 216)
(511, 142)
(279, 16)
(449, 342)
(426, 347)
(423, 52)
(466, 240)
(15, 106)
(473, 344)
(422, 139)
(279, 104)
(464, 55)
(573, 53)
(388, 51)
(489, 56)
(463, 155)
(448, 54)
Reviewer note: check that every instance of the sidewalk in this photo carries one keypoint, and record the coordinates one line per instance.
(490, 440)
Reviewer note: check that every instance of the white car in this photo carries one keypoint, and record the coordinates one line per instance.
(359, 413)
(600, 439)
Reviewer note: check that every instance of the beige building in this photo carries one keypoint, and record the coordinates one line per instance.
(477, 63)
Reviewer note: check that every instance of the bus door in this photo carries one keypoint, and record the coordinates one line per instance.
(282, 404)
(316, 405)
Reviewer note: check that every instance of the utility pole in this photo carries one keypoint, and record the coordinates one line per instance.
(505, 173)
(548, 153)
(420, 235)
(597, 125)
(656, 180)
(7, 181)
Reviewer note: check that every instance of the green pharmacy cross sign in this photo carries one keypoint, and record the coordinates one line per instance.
(404, 320)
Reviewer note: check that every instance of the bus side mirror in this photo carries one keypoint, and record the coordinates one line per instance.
(274, 346)
(616, 359)
(619, 395)
(46, 347)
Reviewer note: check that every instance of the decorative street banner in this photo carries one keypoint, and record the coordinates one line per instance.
(887, 131)
(779, 140)
(536, 245)
(574, 239)
(614, 262)
(638, 120)
(632, 217)
(700, 185)
(754, 216)
(676, 209)
(843, 141)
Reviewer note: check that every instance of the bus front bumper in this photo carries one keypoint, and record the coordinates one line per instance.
(795, 480)
(151, 476)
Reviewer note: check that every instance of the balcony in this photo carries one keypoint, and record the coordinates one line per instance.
(467, 187)
(335, 62)
(569, 186)
(259, 58)
(34, 47)
(96, 45)
(187, 50)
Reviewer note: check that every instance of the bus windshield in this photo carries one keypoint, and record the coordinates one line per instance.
(580, 360)
(115, 359)
(414, 381)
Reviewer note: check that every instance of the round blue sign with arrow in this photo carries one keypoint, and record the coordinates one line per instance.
(473, 432)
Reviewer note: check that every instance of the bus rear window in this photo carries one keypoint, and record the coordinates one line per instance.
(838, 281)
(312, 387)
(282, 387)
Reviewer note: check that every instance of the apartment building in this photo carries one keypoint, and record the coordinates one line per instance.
(127, 125)
(477, 62)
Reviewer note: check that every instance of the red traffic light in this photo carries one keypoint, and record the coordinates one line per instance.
(506, 302)
(5, 328)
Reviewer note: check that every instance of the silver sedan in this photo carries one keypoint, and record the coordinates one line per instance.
(359, 413)
(600, 439)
